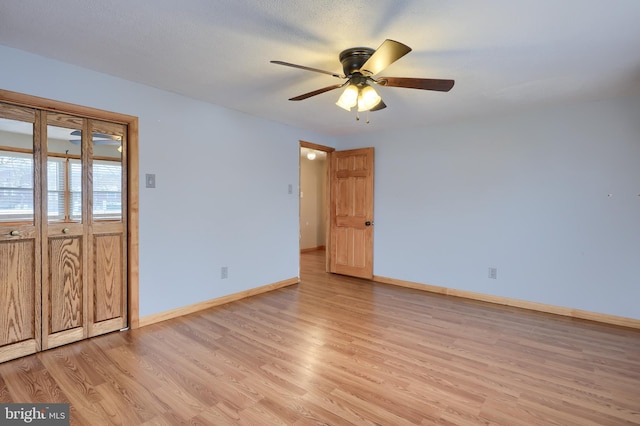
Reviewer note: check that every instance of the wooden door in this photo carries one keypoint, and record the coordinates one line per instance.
(64, 217)
(84, 254)
(107, 215)
(19, 233)
(351, 211)
(65, 230)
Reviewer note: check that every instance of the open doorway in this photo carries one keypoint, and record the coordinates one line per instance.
(314, 198)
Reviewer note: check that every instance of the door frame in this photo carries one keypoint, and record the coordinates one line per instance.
(131, 153)
(327, 182)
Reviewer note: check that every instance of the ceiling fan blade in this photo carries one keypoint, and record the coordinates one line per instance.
(317, 92)
(97, 141)
(388, 52)
(379, 106)
(302, 67)
(97, 135)
(417, 83)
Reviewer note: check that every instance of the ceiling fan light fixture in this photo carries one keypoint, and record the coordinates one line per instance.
(359, 66)
(349, 97)
(368, 98)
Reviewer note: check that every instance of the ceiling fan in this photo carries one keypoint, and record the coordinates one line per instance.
(98, 138)
(359, 65)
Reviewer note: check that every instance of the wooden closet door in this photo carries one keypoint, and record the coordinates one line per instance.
(19, 233)
(65, 230)
(107, 203)
(84, 287)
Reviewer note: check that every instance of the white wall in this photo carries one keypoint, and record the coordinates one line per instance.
(222, 183)
(527, 194)
(549, 197)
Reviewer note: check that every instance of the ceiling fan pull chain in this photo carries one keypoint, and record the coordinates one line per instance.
(367, 117)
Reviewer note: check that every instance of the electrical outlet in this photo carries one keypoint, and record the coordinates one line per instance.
(224, 272)
(290, 189)
(493, 273)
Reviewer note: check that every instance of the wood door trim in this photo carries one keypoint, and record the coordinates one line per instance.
(38, 163)
(311, 145)
(64, 107)
(131, 154)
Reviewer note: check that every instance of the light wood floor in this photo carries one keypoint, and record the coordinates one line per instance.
(335, 350)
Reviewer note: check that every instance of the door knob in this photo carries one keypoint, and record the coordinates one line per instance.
(14, 233)
(368, 223)
(65, 230)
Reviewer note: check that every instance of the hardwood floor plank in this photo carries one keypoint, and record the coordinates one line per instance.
(312, 414)
(336, 350)
(342, 409)
(65, 368)
(4, 392)
(28, 380)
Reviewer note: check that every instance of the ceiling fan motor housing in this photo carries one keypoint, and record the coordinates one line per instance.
(352, 59)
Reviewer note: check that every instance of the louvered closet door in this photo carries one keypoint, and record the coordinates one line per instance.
(19, 233)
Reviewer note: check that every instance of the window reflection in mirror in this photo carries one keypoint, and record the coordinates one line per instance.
(107, 176)
(64, 174)
(16, 171)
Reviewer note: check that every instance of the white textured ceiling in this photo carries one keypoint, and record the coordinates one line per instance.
(503, 54)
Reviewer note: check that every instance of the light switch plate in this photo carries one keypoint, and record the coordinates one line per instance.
(150, 179)
(493, 273)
